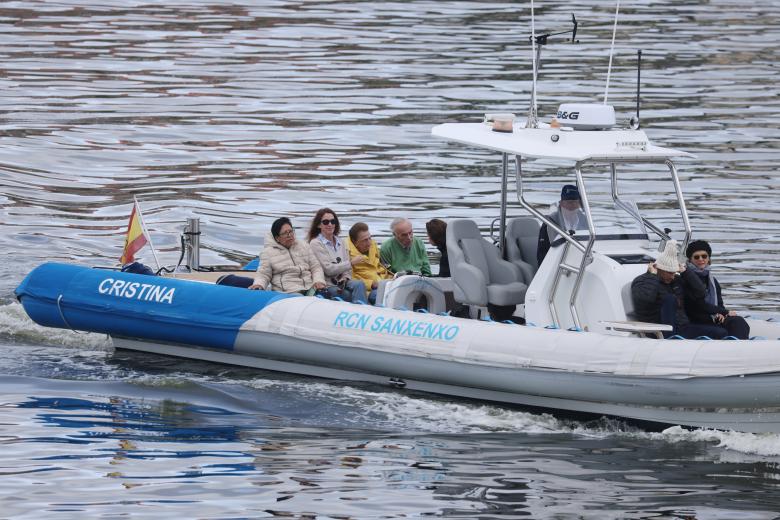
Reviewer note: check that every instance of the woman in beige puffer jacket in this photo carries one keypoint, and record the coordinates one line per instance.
(288, 264)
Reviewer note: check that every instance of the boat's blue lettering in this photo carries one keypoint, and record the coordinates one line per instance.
(406, 330)
(352, 320)
(377, 323)
(339, 321)
(418, 329)
(387, 327)
(363, 321)
(398, 327)
(452, 331)
(393, 326)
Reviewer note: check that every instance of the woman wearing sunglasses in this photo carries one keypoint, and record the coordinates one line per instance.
(286, 263)
(333, 256)
(710, 310)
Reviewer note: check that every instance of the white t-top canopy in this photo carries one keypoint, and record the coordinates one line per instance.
(559, 143)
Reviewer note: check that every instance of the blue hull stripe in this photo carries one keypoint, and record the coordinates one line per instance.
(139, 306)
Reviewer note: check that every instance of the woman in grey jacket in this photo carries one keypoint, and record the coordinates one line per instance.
(334, 257)
(286, 263)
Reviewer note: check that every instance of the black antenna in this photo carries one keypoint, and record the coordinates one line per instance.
(541, 39)
(574, 31)
(634, 123)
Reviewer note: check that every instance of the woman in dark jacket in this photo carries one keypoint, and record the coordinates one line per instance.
(437, 236)
(710, 309)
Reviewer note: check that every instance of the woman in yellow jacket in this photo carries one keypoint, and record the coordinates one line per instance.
(371, 271)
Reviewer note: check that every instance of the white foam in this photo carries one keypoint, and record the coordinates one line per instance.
(396, 411)
(15, 324)
(761, 444)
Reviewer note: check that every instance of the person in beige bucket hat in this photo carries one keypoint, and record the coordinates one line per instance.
(659, 296)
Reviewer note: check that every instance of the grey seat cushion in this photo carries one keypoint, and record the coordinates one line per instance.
(506, 294)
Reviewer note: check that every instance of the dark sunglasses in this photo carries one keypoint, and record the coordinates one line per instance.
(328, 222)
(703, 256)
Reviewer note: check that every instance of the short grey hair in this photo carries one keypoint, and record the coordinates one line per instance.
(396, 221)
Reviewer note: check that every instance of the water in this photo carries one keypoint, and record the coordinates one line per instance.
(241, 112)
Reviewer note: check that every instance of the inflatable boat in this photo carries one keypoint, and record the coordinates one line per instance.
(579, 348)
(697, 383)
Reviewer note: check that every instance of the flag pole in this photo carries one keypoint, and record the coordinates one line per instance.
(146, 231)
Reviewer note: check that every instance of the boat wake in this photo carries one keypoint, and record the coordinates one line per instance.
(15, 325)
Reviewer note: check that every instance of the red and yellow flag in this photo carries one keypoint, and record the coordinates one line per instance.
(135, 239)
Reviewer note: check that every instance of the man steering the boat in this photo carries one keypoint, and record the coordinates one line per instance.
(568, 215)
(659, 296)
(404, 252)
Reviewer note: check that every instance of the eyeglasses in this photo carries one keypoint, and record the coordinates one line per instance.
(288, 233)
(328, 222)
(702, 256)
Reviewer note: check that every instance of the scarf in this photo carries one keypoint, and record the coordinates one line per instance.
(711, 294)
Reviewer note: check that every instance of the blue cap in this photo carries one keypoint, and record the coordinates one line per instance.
(570, 192)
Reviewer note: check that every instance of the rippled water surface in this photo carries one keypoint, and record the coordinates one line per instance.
(240, 112)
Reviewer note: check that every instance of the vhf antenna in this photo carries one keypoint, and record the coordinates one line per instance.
(634, 123)
(537, 42)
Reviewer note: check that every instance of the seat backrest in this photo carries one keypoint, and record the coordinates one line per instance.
(466, 244)
(522, 238)
(458, 231)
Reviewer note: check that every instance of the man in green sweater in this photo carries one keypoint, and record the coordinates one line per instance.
(404, 252)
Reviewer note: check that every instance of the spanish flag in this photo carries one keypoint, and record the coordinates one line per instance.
(136, 238)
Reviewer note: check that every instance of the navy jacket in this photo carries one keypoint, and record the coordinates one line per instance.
(647, 293)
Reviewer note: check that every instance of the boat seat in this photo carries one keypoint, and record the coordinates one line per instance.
(628, 301)
(522, 238)
(479, 275)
